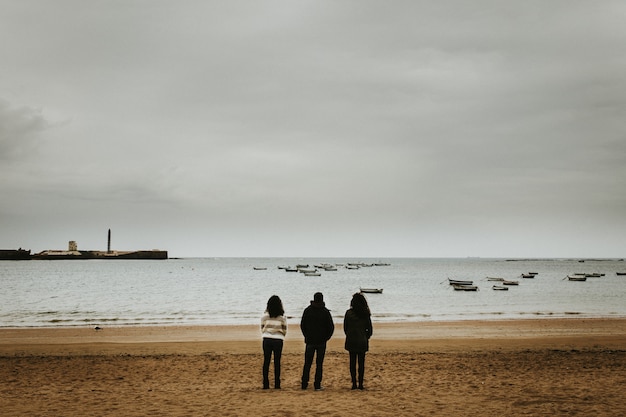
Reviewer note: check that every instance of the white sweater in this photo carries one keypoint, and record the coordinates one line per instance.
(274, 327)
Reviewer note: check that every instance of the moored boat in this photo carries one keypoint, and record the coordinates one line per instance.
(577, 277)
(459, 282)
(500, 288)
(464, 287)
(372, 290)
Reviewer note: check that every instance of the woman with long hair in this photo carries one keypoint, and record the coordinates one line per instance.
(357, 325)
(274, 330)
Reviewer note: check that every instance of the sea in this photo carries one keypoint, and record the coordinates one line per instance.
(227, 291)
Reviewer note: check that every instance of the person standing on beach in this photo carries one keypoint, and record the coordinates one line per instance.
(317, 327)
(274, 330)
(357, 325)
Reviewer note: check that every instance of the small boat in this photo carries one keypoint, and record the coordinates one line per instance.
(620, 273)
(500, 288)
(312, 274)
(464, 287)
(577, 278)
(528, 276)
(460, 282)
(307, 271)
(259, 268)
(494, 279)
(372, 290)
(506, 282)
(594, 275)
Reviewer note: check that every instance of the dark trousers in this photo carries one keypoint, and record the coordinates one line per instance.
(309, 353)
(354, 358)
(270, 346)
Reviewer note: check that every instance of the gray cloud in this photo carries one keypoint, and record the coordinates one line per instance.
(19, 130)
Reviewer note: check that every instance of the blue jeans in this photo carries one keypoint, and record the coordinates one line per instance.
(270, 346)
(309, 353)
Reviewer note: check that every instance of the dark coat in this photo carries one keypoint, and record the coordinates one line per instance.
(317, 324)
(358, 331)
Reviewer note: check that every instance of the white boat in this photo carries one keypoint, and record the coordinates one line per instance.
(500, 288)
(577, 277)
(464, 287)
(506, 282)
(460, 282)
(312, 274)
(494, 279)
(372, 290)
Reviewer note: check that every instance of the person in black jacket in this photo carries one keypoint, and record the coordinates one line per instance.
(357, 325)
(317, 327)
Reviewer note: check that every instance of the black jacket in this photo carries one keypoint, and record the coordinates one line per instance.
(358, 331)
(317, 324)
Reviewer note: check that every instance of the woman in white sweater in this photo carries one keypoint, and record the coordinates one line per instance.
(274, 330)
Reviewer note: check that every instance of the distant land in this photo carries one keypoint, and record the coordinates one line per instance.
(25, 254)
(72, 252)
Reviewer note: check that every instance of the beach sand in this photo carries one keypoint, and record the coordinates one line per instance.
(536, 367)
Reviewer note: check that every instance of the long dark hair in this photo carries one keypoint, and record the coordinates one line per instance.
(359, 305)
(275, 306)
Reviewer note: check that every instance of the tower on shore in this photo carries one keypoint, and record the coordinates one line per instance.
(109, 242)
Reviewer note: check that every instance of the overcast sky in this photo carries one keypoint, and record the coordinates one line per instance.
(315, 128)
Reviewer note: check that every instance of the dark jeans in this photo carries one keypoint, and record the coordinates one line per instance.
(271, 346)
(309, 353)
(354, 357)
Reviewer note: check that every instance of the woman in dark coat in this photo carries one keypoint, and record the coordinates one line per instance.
(357, 325)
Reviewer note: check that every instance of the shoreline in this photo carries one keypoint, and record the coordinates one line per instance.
(436, 336)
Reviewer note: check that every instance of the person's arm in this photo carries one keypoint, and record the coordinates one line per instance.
(331, 326)
(303, 324)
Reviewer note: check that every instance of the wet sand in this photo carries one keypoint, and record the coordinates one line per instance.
(539, 367)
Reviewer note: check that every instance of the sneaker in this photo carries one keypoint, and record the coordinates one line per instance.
(319, 388)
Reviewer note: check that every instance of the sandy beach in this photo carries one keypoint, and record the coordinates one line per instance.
(536, 367)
